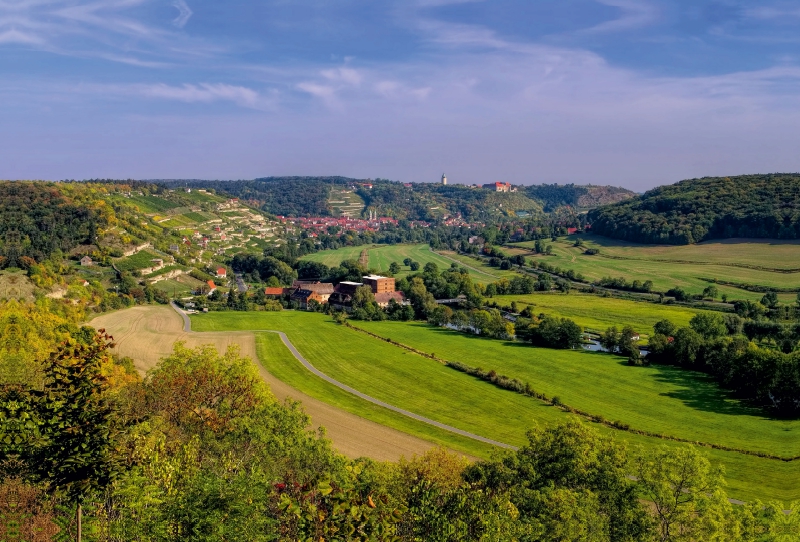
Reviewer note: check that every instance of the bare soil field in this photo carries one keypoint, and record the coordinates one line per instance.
(147, 334)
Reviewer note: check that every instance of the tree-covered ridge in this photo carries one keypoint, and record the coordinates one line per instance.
(553, 196)
(760, 206)
(38, 219)
(290, 196)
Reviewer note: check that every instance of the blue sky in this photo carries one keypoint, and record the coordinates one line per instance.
(626, 92)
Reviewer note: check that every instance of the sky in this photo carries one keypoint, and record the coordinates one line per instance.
(633, 93)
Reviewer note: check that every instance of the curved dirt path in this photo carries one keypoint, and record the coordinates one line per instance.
(187, 327)
(148, 333)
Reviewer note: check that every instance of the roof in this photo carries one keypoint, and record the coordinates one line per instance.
(273, 291)
(221, 270)
(374, 277)
(347, 282)
(303, 294)
(385, 297)
(211, 284)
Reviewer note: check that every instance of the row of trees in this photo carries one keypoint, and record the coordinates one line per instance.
(723, 347)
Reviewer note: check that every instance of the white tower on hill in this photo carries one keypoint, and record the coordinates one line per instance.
(444, 178)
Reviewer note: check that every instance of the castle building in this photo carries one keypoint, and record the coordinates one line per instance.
(444, 178)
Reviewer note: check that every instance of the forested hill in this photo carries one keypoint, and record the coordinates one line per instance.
(587, 196)
(38, 219)
(763, 206)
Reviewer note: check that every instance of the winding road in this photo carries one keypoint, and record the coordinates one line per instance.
(187, 327)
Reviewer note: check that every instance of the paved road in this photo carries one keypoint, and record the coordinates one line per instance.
(240, 282)
(187, 326)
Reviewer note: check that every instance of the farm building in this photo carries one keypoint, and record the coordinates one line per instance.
(86, 261)
(379, 284)
(383, 298)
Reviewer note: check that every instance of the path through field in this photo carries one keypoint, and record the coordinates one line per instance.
(147, 334)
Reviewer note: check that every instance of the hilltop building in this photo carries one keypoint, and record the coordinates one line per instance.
(498, 187)
(444, 178)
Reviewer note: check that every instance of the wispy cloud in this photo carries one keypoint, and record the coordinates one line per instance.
(634, 14)
(204, 93)
(108, 29)
(184, 13)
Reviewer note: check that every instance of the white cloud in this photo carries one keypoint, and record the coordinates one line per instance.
(13, 35)
(184, 13)
(635, 14)
(204, 93)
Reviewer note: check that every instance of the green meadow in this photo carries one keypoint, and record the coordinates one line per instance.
(597, 313)
(382, 256)
(656, 399)
(736, 261)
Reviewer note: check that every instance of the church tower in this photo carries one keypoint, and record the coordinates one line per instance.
(444, 178)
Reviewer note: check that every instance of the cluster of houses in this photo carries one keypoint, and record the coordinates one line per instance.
(340, 296)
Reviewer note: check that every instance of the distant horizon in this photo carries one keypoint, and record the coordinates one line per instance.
(449, 181)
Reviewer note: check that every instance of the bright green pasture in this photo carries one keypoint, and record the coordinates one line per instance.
(659, 399)
(332, 258)
(688, 274)
(598, 313)
(277, 359)
(763, 253)
(172, 286)
(479, 266)
(382, 256)
(648, 398)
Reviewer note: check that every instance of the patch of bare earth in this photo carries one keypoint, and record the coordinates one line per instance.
(147, 334)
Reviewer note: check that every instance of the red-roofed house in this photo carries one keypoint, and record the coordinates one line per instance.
(275, 291)
(571, 231)
(211, 286)
(222, 272)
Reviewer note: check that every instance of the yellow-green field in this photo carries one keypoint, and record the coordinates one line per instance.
(665, 400)
(735, 260)
(597, 313)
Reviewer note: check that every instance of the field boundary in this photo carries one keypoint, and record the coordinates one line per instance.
(188, 328)
(530, 392)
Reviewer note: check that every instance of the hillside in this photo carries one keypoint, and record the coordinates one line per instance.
(588, 196)
(331, 196)
(289, 196)
(758, 206)
(428, 201)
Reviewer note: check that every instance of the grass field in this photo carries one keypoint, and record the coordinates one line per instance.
(173, 287)
(382, 256)
(140, 260)
(598, 313)
(679, 403)
(682, 266)
(152, 204)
